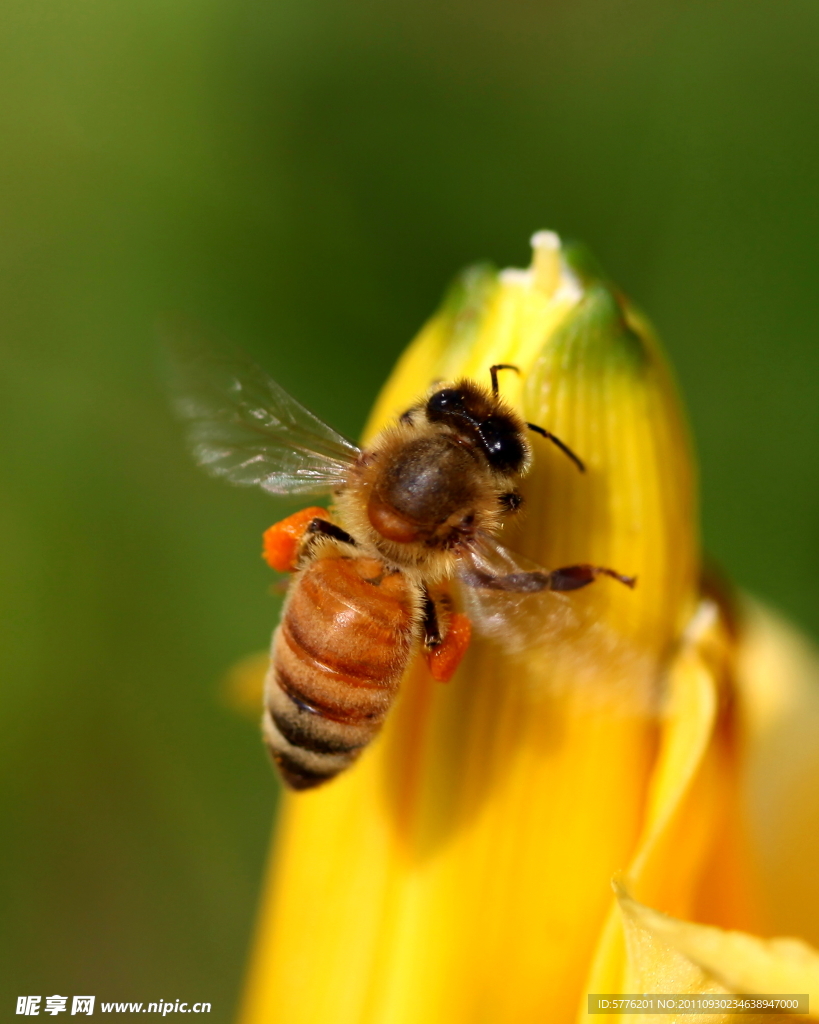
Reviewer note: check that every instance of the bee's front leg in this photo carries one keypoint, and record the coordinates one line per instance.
(570, 577)
(444, 648)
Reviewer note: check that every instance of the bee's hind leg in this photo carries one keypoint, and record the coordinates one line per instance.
(282, 541)
(325, 528)
(444, 649)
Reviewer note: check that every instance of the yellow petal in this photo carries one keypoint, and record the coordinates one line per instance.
(672, 956)
(779, 691)
(416, 887)
(693, 858)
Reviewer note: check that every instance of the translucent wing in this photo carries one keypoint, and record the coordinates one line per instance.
(243, 426)
(516, 618)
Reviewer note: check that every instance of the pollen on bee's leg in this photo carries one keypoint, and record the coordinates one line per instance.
(445, 658)
(282, 539)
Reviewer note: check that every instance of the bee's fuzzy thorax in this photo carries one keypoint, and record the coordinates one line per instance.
(427, 483)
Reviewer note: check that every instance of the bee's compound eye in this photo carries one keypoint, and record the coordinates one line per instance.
(444, 402)
(504, 448)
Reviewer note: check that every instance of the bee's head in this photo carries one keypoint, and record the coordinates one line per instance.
(481, 419)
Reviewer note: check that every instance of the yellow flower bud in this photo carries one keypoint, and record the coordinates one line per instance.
(461, 871)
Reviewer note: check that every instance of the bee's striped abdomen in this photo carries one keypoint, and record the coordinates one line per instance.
(338, 656)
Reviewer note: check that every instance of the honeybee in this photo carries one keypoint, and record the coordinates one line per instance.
(419, 506)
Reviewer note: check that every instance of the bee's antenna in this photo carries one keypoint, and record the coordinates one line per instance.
(556, 440)
(493, 373)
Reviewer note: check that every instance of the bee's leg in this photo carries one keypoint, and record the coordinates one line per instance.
(407, 417)
(571, 577)
(432, 631)
(444, 652)
(283, 540)
(324, 528)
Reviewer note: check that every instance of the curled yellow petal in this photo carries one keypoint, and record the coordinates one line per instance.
(672, 956)
(691, 858)
(733, 790)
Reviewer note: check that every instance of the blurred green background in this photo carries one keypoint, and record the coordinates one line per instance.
(305, 176)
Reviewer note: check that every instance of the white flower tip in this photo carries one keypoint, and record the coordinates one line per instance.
(546, 261)
(545, 240)
(548, 272)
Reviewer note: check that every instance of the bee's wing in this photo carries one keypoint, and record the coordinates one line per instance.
(243, 426)
(517, 619)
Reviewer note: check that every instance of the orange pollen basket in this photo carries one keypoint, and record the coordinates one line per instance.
(282, 540)
(444, 659)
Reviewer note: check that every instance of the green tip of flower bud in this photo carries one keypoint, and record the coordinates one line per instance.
(598, 335)
(582, 262)
(467, 295)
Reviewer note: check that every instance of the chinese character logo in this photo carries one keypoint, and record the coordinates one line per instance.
(82, 1004)
(55, 1004)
